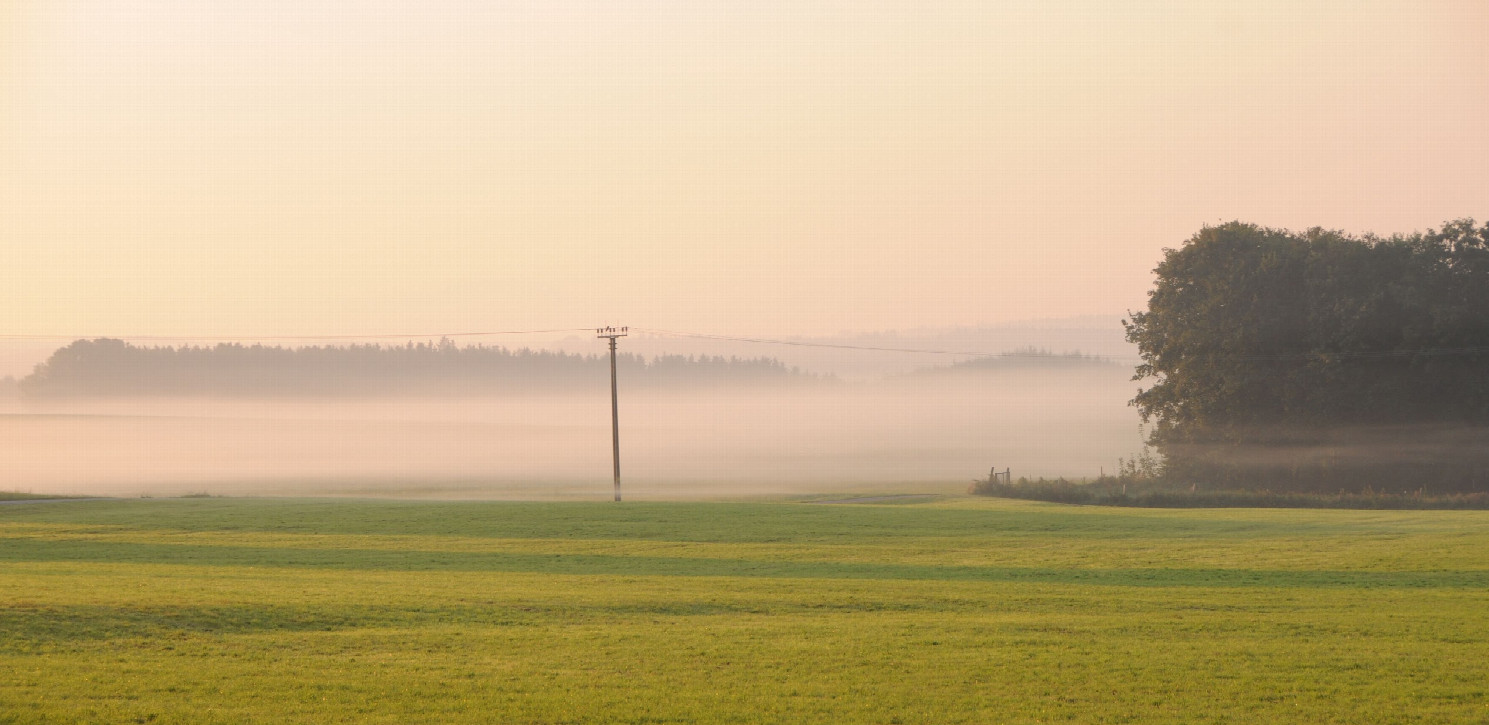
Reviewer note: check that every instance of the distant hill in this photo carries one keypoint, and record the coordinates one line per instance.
(115, 367)
(1021, 360)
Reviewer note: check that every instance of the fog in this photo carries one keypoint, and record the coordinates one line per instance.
(1439, 456)
(911, 433)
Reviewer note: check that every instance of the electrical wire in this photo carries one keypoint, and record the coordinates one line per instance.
(839, 346)
(253, 338)
(1428, 352)
(1278, 357)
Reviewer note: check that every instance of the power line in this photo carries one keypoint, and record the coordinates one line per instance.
(840, 346)
(252, 338)
(670, 333)
(1277, 357)
(1427, 352)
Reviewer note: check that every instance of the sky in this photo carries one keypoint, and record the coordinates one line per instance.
(760, 167)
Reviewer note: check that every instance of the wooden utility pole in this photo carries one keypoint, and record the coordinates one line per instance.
(611, 333)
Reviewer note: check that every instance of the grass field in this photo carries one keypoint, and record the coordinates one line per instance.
(942, 611)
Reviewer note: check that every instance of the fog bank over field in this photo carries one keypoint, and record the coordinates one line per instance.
(713, 441)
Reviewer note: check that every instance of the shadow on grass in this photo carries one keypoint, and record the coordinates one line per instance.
(30, 550)
(27, 628)
(732, 522)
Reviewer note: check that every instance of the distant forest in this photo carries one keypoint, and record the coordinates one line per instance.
(1025, 359)
(115, 367)
(1034, 358)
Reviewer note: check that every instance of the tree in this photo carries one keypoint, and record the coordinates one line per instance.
(115, 367)
(1318, 360)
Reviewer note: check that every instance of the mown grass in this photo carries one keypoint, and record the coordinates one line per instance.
(964, 610)
(26, 496)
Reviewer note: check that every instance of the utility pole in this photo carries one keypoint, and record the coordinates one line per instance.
(611, 333)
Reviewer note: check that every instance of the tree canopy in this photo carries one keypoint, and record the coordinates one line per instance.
(1320, 360)
(114, 367)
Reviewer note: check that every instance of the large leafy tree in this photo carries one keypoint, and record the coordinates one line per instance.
(1316, 360)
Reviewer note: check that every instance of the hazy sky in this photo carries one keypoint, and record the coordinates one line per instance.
(754, 167)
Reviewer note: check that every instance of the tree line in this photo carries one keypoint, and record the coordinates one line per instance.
(115, 367)
(1319, 361)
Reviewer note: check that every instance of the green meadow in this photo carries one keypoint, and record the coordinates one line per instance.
(943, 610)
